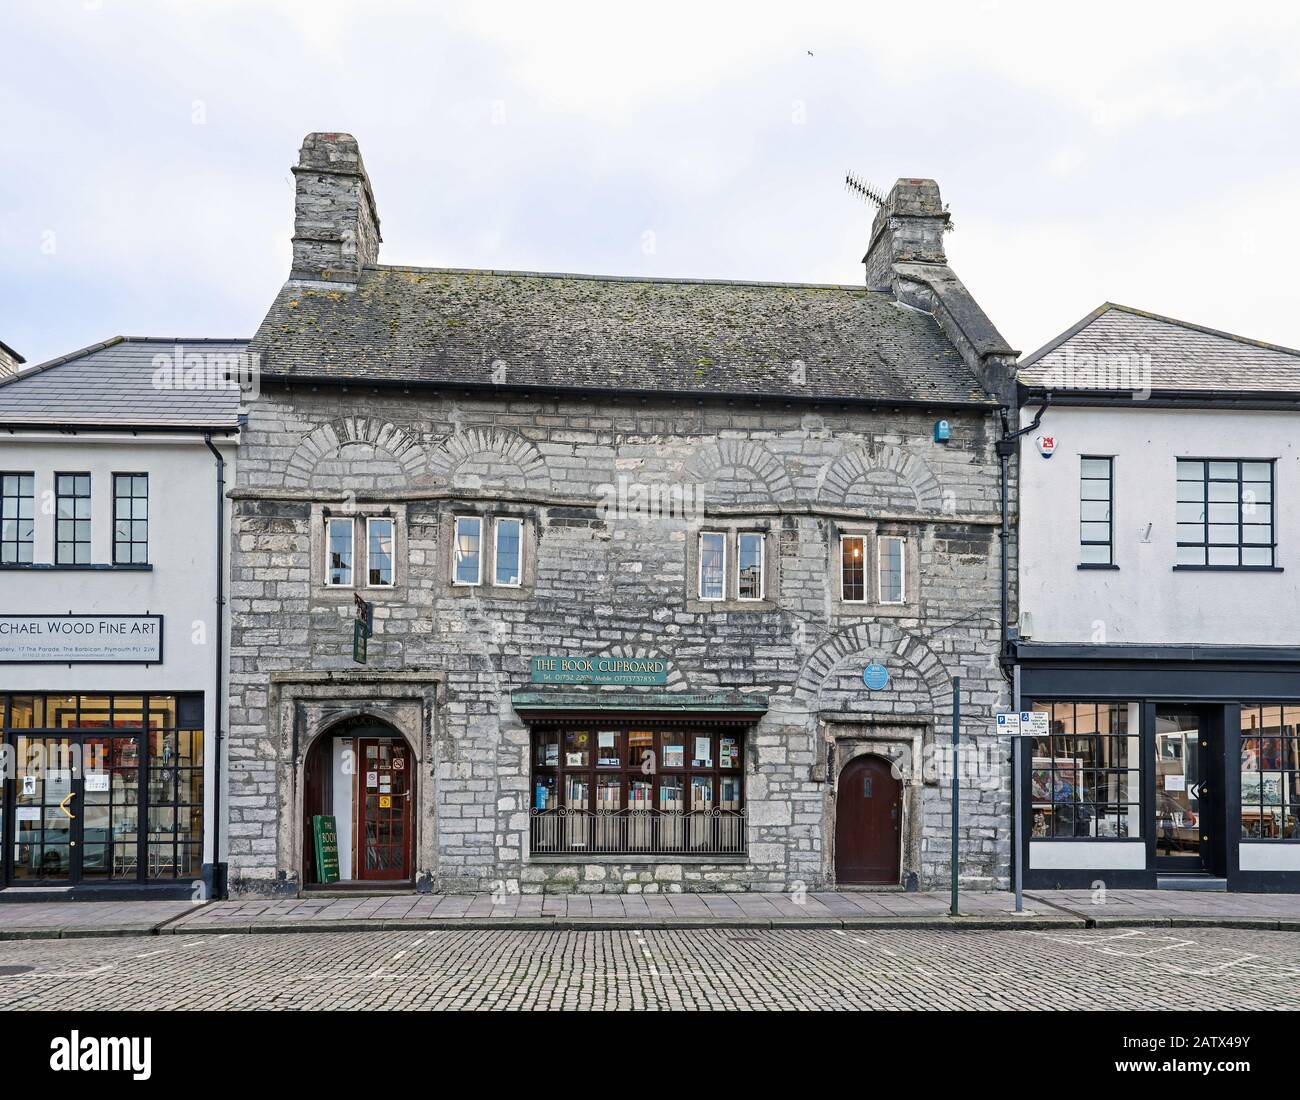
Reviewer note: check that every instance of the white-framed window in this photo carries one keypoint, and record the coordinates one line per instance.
(508, 552)
(749, 566)
(891, 583)
(467, 551)
(713, 565)
(853, 568)
(338, 551)
(379, 552)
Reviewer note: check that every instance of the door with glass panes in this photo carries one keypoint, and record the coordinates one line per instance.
(1183, 817)
(384, 810)
(76, 808)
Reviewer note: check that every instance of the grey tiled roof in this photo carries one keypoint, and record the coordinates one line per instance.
(444, 326)
(118, 383)
(1182, 356)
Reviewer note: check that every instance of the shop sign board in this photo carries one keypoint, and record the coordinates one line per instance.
(81, 639)
(327, 848)
(632, 671)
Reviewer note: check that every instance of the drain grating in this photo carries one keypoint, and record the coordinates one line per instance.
(13, 971)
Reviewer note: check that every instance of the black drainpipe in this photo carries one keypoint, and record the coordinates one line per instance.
(1006, 447)
(218, 868)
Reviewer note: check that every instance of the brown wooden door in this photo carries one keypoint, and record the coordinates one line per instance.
(383, 832)
(868, 822)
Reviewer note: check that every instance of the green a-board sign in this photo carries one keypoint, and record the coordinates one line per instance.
(327, 848)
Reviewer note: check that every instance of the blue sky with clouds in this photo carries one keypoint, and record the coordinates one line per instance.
(1143, 153)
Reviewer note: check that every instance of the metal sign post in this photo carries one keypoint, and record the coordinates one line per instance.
(956, 784)
(1018, 825)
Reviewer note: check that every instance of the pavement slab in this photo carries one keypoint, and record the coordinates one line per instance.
(821, 909)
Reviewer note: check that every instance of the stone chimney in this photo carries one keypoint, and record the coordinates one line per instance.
(906, 259)
(10, 361)
(335, 223)
(908, 229)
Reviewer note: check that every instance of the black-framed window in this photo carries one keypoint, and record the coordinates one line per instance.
(1225, 513)
(611, 789)
(72, 519)
(130, 519)
(1270, 772)
(1096, 507)
(1086, 775)
(17, 518)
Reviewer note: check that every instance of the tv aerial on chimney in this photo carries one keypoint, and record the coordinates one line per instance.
(864, 190)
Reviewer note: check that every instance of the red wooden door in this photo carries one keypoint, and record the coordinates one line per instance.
(383, 833)
(868, 822)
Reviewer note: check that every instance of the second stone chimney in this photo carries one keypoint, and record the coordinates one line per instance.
(10, 361)
(335, 222)
(909, 228)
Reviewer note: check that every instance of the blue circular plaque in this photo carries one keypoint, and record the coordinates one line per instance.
(875, 676)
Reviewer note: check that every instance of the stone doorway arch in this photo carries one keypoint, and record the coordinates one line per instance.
(361, 771)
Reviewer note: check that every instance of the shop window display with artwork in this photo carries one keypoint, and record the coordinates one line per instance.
(1270, 771)
(1085, 775)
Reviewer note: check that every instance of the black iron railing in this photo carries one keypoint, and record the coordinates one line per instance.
(637, 832)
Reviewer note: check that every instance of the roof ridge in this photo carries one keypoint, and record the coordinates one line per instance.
(677, 280)
(40, 368)
(186, 339)
(1249, 341)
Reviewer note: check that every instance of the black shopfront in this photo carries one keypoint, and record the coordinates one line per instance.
(102, 789)
(1163, 766)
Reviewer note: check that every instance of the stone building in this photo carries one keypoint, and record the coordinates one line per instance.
(669, 579)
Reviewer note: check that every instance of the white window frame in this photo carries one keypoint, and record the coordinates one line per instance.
(762, 565)
(330, 521)
(455, 549)
(496, 544)
(839, 565)
(699, 567)
(902, 570)
(392, 526)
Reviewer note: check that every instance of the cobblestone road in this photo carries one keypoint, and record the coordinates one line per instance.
(707, 968)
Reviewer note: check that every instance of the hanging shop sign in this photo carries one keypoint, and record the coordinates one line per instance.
(635, 671)
(327, 848)
(81, 639)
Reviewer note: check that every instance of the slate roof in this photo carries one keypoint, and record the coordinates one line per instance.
(1184, 358)
(442, 326)
(113, 384)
